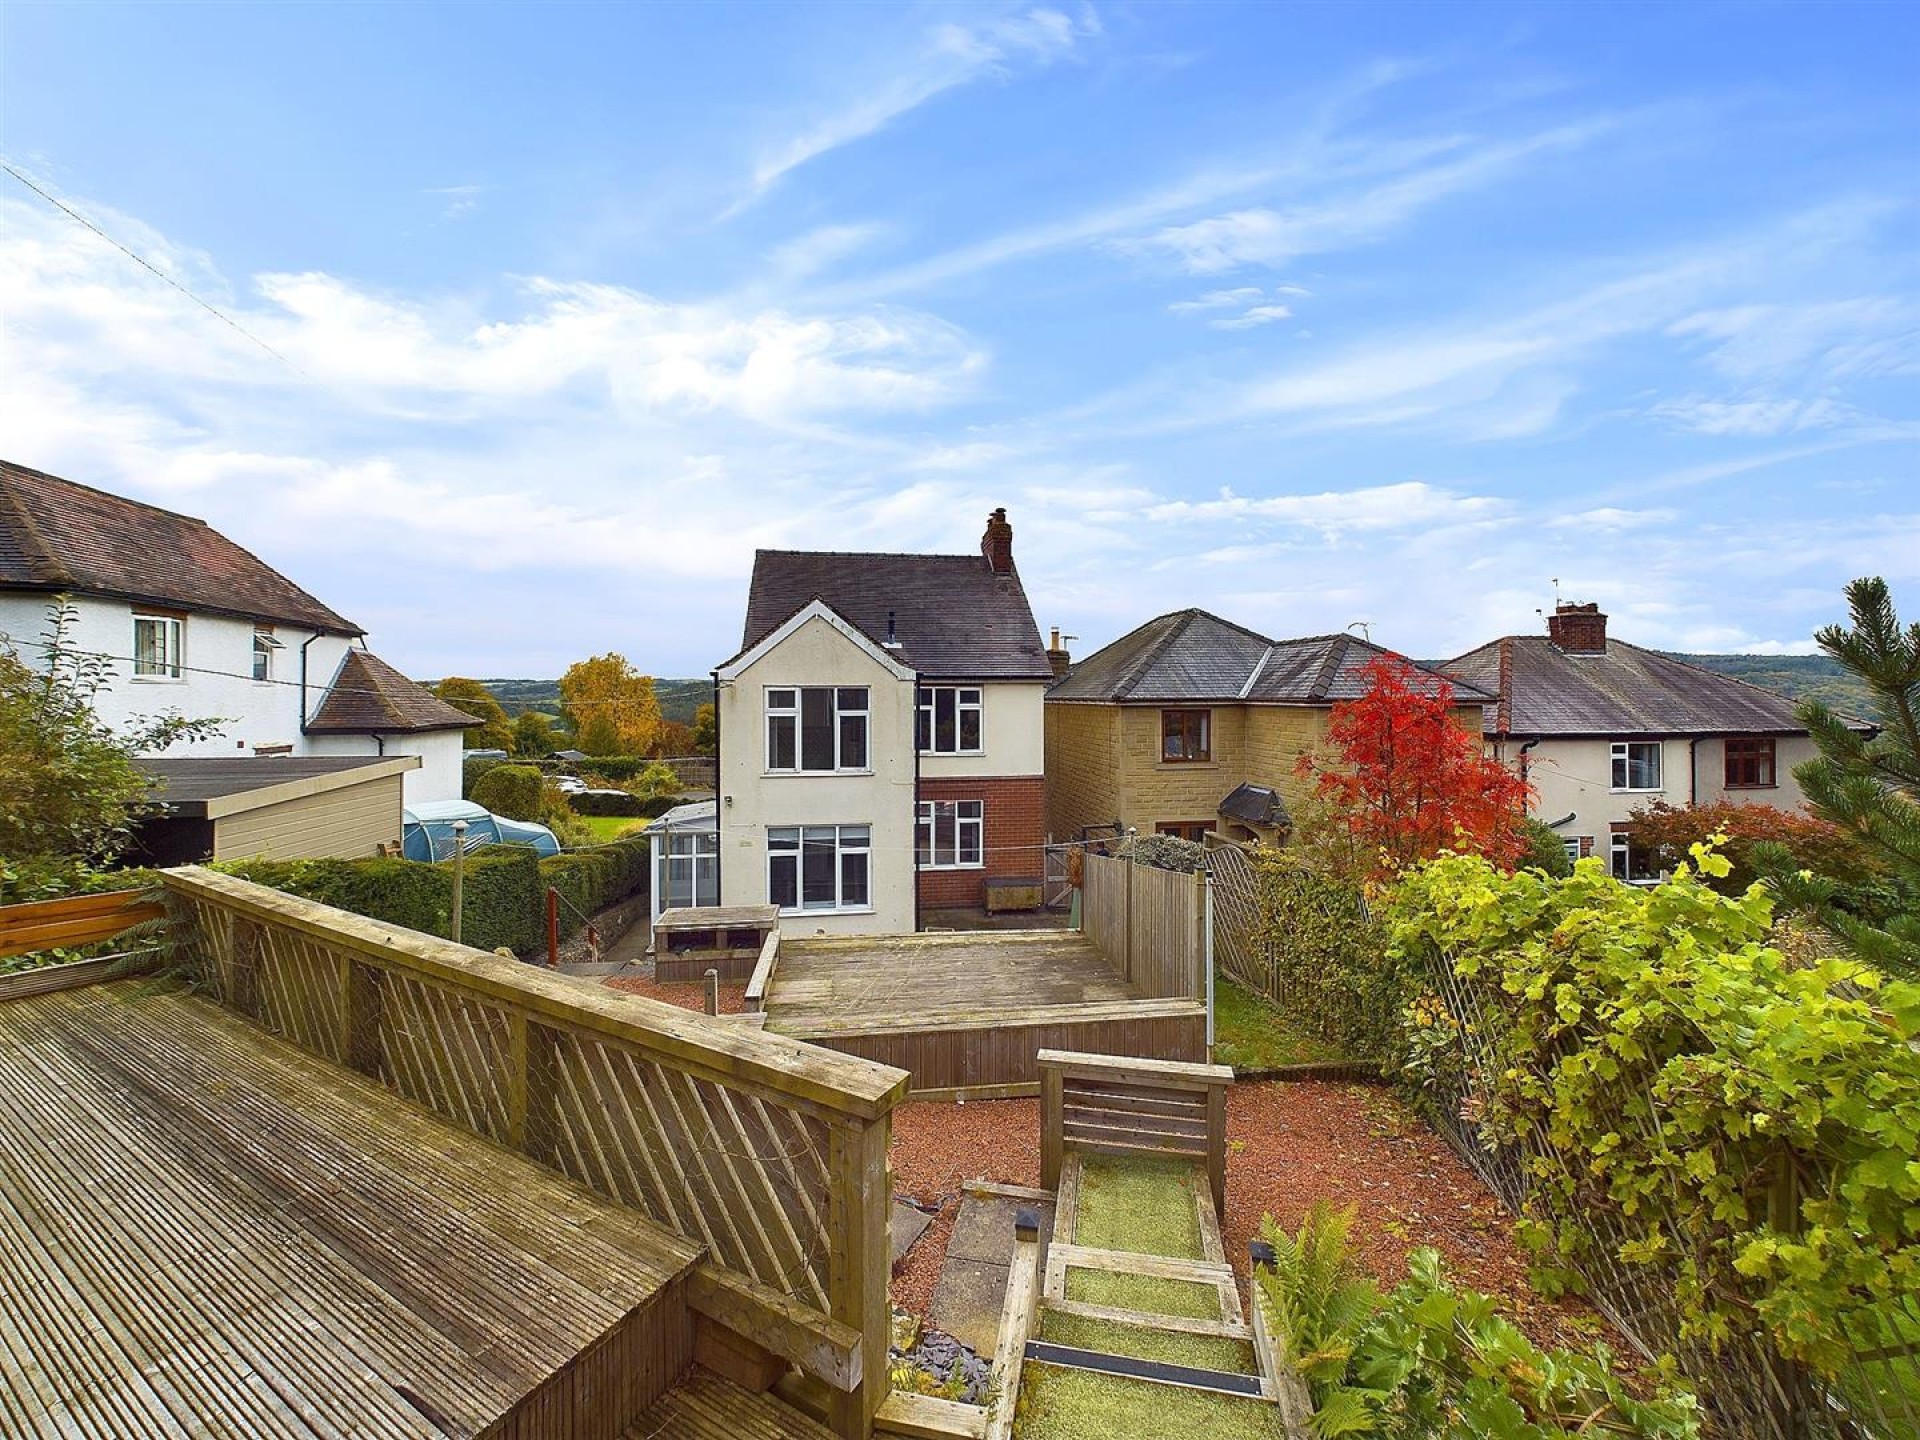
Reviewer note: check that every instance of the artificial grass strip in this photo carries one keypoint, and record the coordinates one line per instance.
(1062, 1404)
(1153, 1294)
(1169, 1347)
(1140, 1204)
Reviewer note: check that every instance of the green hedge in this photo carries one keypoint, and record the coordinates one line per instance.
(505, 895)
(510, 790)
(591, 880)
(502, 902)
(607, 802)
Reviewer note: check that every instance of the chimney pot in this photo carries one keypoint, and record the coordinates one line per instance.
(997, 543)
(1057, 655)
(1578, 629)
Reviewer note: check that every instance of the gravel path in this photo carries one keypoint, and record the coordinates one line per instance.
(1289, 1143)
(687, 994)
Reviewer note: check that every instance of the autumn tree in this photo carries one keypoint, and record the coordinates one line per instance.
(706, 731)
(612, 705)
(1400, 780)
(495, 731)
(532, 735)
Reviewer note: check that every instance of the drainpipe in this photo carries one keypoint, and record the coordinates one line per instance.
(1693, 776)
(303, 679)
(914, 739)
(719, 824)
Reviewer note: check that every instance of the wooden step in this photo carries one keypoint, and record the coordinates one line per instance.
(705, 1407)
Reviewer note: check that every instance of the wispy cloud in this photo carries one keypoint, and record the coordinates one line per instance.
(953, 56)
(456, 201)
(1244, 307)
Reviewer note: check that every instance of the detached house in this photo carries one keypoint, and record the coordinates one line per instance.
(880, 736)
(1192, 723)
(192, 624)
(1600, 727)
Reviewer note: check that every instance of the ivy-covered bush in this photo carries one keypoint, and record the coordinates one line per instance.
(1326, 956)
(1167, 852)
(514, 791)
(501, 902)
(1690, 1100)
(1546, 851)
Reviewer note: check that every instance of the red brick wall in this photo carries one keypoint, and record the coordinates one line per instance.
(1015, 828)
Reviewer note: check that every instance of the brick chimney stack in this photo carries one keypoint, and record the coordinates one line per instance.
(1578, 629)
(1057, 656)
(997, 543)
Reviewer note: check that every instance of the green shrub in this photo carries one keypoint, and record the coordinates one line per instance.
(1546, 850)
(501, 902)
(511, 790)
(620, 803)
(591, 880)
(1167, 852)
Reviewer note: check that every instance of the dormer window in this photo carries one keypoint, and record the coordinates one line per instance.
(157, 645)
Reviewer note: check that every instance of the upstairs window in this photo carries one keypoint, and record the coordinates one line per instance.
(1186, 735)
(950, 720)
(156, 646)
(819, 867)
(1750, 763)
(949, 836)
(1636, 765)
(263, 647)
(818, 728)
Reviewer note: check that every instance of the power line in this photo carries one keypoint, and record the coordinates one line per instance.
(151, 268)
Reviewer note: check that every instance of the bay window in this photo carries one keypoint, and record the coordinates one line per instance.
(814, 868)
(817, 728)
(951, 835)
(950, 720)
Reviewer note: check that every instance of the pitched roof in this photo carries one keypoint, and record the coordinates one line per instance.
(56, 535)
(1624, 691)
(1194, 655)
(951, 615)
(369, 696)
(1257, 805)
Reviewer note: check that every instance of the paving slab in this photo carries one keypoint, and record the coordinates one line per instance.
(908, 1224)
(972, 1289)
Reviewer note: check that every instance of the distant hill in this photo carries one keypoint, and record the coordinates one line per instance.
(1803, 677)
(678, 698)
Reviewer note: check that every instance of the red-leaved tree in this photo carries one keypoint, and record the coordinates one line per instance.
(1399, 781)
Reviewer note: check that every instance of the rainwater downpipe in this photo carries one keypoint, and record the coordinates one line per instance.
(303, 677)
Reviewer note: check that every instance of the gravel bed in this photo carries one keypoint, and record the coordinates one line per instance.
(1289, 1143)
(687, 994)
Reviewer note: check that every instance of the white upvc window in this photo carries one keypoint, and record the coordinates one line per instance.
(158, 642)
(952, 720)
(951, 835)
(1635, 765)
(816, 868)
(817, 728)
(1631, 863)
(690, 862)
(264, 644)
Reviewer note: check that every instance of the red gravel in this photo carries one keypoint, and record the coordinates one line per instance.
(1288, 1144)
(687, 994)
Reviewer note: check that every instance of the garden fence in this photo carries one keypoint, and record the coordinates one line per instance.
(1150, 923)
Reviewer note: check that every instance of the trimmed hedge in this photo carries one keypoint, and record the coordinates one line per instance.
(620, 804)
(501, 904)
(510, 790)
(505, 891)
(591, 880)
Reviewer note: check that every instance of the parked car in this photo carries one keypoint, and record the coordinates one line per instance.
(426, 831)
(570, 784)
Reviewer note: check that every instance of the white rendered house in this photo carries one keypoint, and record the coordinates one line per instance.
(192, 624)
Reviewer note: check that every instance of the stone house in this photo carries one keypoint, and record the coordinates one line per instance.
(1192, 723)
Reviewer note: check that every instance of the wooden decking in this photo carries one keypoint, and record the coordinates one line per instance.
(204, 1230)
(705, 1407)
(968, 1013)
(838, 987)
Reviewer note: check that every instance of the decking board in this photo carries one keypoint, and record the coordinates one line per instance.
(205, 1229)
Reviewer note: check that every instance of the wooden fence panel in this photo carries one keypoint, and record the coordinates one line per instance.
(72, 921)
(1148, 922)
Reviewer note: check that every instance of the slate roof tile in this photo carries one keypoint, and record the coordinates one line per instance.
(368, 695)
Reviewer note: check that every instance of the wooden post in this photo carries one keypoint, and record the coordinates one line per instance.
(529, 1079)
(553, 928)
(1217, 1146)
(859, 1208)
(1052, 1141)
(249, 945)
(713, 991)
(1196, 979)
(1126, 925)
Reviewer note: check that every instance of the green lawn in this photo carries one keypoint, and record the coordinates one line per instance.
(611, 827)
(1249, 1034)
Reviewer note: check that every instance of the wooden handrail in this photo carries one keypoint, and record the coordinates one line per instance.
(773, 1066)
(762, 978)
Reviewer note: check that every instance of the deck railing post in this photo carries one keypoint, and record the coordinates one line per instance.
(1052, 1104)
(361, 997)
(859, 1208)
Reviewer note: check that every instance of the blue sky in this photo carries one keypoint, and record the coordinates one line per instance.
(1309, 315)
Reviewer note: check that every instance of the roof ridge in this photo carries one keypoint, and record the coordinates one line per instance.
(109, 494)
(1330, 667)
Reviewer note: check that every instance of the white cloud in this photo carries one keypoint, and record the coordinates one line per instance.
(456, 201)
(1829, 340)
(1755, 417)
(1252, 306)
(1252, 316)
(952, 56)
(1410, 505)
(1264, 236)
